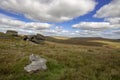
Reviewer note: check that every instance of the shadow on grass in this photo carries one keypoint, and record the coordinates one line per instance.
(80, 41)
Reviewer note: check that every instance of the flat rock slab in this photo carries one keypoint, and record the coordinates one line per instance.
(37, 64)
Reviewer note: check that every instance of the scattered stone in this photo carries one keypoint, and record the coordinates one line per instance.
(37, 64)
(12, 32)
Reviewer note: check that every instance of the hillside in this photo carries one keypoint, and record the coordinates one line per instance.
(68, 59)
(88, 41)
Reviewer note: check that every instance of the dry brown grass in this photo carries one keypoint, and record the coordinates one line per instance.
(65, 61)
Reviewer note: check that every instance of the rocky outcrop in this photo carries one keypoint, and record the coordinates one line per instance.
(37, 64)
(40, 37)
(12, 32)
(35, 38)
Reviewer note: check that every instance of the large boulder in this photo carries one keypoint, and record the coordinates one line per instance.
(40, 37)
(12, 32)
(37, 64)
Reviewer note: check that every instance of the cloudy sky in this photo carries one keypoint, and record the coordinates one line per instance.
(72, 18)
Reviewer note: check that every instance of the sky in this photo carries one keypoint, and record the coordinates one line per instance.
(70, 18)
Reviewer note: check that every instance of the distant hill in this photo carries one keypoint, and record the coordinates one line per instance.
(88, 41)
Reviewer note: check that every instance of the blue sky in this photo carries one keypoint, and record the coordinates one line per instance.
(88, 18)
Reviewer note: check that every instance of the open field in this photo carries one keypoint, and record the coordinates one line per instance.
(69, 59)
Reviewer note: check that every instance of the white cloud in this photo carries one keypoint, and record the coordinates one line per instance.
(89, 33)
(57, 31)
(97, 29)
(110, 10)
(113, 20)
(111, 14)
(95, 26)
(49, 10)
(11, 22)
(117, 32)
(21, 24)
(37, 25)
(112, 34)
(7, 22)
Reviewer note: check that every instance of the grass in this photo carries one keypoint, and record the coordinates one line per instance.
(65, 61)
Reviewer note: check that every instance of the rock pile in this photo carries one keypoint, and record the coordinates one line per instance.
(37, 63)
(35, 38)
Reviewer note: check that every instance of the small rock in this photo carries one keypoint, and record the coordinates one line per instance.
(37, 63)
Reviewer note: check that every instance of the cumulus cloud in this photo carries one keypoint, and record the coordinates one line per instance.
(7, 22)
(111, 14)
(110, 10)
(95, 26)
(113, 20)
(87, 33)
(21, 24)
(112, 34)
(10, 22)
(97, 29)
(57, 31)
(49, 10)
(116, 32)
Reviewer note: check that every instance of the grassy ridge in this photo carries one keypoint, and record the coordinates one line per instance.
(65, 61)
